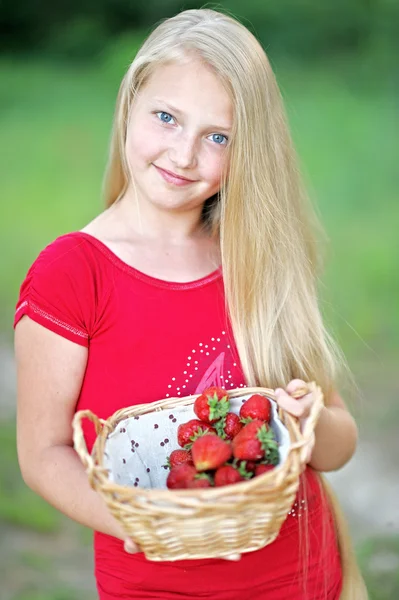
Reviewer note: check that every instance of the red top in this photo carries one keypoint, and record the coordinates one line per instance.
(149, 339)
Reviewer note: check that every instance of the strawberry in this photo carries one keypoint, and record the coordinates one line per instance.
(249, 465)
(254, 441)
(201, 480)
(231, 474)
(210, 452)
(256, 407)
(212, 404)
(260, 469)
(246, 467)
(188, 432)
(229, 426)
(185, 476)
(181, 476)
(226, 475)
(179, 457)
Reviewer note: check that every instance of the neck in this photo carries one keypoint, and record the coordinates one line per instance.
(151, 222)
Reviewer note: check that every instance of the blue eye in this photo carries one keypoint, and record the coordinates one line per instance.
(164, 117)
(219, 139)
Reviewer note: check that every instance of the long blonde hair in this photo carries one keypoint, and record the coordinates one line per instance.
(265, 222)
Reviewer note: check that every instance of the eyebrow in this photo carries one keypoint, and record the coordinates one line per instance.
(175, 110)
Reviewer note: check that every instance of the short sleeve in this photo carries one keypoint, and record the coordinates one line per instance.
(58, 291)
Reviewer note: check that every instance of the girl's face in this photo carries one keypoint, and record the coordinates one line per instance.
(177, 136)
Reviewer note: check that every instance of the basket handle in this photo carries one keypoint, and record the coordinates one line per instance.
(309, 423)
(79, 441)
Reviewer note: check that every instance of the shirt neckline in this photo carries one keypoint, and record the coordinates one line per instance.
(154, 281)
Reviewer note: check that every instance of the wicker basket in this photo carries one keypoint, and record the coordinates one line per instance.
(200, 523)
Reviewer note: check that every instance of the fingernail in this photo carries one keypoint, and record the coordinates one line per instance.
(129, 547)
(278, 391)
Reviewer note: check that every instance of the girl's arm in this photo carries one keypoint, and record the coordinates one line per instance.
(336, 436)
(336, 432)
(50, 371)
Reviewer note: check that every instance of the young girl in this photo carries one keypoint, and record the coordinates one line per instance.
(201, 271)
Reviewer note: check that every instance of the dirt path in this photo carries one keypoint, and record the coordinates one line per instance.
(368, 488)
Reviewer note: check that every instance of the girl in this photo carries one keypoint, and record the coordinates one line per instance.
(201, 271)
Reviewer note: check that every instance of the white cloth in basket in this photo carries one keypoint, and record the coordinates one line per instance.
(136, 451)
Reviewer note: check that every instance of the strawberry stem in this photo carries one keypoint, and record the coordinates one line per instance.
(269, 444)
(219, 426)
(204, 475)
(243, 470)
(246, 420)
(199, 433)
(218, 408)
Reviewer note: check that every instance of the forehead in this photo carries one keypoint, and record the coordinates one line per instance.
(190, 85)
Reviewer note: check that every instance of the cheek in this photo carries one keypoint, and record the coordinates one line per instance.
(214, 167)
(143, 144)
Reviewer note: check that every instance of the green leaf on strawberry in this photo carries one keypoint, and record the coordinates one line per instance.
(269, 444)
(212, 404)
(242, 469)
(272, 456)
(219, 426)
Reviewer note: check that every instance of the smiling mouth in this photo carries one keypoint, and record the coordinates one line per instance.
(174, 175)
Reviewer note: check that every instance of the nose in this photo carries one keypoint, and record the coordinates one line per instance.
(183, 152)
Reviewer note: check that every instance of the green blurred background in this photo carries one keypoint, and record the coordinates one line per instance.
(60, 68)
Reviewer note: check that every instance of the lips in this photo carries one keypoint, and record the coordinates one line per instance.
(173, 177)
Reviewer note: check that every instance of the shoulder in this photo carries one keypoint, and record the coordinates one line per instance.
(72, 258)
(60, 289)
(70, 250)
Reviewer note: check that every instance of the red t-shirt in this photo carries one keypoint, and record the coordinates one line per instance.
(150, 339)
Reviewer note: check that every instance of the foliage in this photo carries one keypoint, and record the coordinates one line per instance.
(55, 149)
(379, 562)
(309, 28)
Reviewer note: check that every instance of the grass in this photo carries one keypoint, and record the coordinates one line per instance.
(56, 125)
(378, 557)
(54, 593)
(379, 561)
(55, 122)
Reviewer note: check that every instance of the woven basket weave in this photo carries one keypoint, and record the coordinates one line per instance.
(200, 523)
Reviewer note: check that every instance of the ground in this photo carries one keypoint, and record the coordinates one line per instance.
(44, 556)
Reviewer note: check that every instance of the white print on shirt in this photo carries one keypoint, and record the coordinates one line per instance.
(213, 376)
(216, 374)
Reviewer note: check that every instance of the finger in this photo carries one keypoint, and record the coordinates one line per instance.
(131, 547)
(295, 385)
(286, 402)
(306, 402)
(298, 408)
(234, 557)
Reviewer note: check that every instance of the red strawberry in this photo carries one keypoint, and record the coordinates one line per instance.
(212, 404)
(210, 452)
(256, 407)
(250, 465)
(226, 475)
(246, 467)
(229, 426)
(181, 476)
(201, 480)
(254, 441)
(260, 469)
(188, 432)
(179, 457)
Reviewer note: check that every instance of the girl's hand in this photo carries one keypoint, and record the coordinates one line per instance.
(298, 407)
(132, 548)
